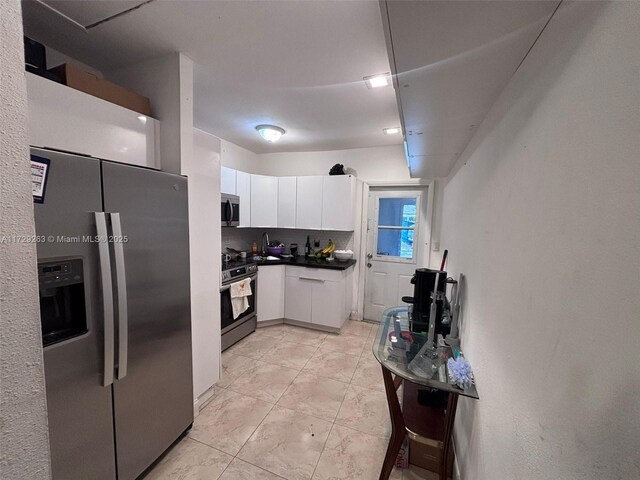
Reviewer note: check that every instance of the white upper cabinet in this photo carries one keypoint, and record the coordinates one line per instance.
(309, 202)
(228, 180)
(67, 119)
(264, 201)
(287, 202)
(338, 202)
(243, 190)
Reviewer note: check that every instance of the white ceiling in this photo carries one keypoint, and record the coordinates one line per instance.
(298, 65)
(452, 59)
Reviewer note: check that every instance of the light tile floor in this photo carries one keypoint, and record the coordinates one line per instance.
(292, 403)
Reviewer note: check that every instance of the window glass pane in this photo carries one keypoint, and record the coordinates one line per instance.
(397, 212)
(395, 243)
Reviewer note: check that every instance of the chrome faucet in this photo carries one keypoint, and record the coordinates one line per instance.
(265, 243)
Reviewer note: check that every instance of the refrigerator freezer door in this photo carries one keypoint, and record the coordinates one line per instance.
(79, 406)
(153, 403)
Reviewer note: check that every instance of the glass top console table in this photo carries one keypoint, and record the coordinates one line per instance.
(429, 397)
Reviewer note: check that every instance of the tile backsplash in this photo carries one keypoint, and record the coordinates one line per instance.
(243, 238)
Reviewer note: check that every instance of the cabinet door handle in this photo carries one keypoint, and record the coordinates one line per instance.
(311, 279)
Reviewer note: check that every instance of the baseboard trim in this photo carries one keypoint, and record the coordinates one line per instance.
(313, 326)
(203, 400)
(269, 323)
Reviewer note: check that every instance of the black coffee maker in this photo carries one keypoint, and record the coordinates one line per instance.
(424, 280)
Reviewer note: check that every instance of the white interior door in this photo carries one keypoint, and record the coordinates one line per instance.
(394, 247)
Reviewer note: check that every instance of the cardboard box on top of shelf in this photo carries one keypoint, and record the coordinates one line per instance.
(87, 82)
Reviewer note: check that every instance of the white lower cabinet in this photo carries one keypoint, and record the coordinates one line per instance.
(327, 303)
(297, 299)
(271, 288)
(318, 296)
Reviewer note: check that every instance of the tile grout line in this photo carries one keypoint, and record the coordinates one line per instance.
(257, 466)
(333, 422)
(271, 409)
(324, 445)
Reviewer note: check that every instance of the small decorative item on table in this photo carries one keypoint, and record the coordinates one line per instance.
(460, 372)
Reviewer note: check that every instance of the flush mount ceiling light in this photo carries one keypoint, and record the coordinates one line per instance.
(391, 130)
(270, 133)
(377, 81)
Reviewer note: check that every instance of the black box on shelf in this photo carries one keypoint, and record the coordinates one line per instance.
(34, 54)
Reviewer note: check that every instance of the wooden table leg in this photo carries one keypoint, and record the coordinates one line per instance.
(452, 404)
(398, 430)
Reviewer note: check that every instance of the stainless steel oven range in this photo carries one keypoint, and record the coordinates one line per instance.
(234, 330)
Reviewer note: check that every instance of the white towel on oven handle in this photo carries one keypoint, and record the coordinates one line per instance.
(239, 292)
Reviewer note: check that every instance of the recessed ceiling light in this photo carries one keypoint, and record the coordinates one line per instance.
(391, 130)
(377, 81)
(270, 133)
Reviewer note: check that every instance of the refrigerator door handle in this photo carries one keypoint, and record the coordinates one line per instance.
(121, 278)
(107, 296)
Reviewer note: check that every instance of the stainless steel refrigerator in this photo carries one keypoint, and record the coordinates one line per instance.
(115, 315)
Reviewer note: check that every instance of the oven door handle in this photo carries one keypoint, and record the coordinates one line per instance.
(224, 288)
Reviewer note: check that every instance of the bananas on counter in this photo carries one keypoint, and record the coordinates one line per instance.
(329, 248)
(326, 251)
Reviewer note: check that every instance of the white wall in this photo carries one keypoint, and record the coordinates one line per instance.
(233, 156)
(168, 82)
(369, 164)
(203, 174)
(24, 443)
(542, 215)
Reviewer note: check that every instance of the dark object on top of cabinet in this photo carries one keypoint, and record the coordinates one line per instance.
(34, 54)
(35, 60)
(337, 169)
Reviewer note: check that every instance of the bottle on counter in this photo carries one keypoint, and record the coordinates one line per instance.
(254, 248)
(307, 248)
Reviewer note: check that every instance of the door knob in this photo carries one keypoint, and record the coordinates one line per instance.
(369, 255)
(368, 265)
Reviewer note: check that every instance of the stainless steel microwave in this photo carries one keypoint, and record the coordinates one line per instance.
(230, 210)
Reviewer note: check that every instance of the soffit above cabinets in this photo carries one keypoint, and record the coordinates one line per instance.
(451, 60)
(89, 13)
(298, 65)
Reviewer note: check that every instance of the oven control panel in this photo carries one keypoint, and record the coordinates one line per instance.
(230, 274)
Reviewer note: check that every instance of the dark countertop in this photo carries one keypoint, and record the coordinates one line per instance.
(301, 261)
